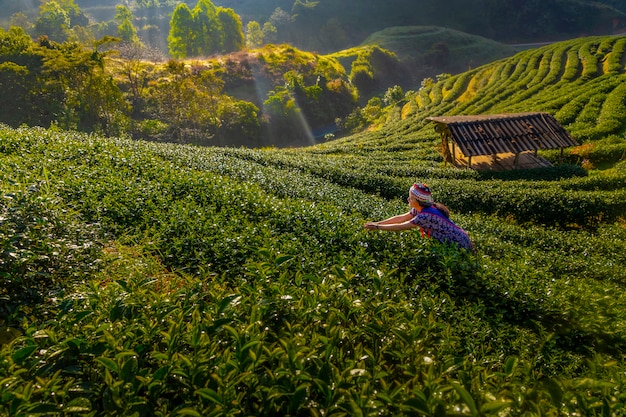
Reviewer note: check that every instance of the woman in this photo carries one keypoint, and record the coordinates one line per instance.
(432, 219)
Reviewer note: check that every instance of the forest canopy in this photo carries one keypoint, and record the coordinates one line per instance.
(325, 25)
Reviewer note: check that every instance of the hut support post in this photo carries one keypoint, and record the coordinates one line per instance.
(453, 152)
(446, 138)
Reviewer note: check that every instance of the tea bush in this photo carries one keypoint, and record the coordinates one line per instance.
(229, 281)
(176, 280)
(42, 242)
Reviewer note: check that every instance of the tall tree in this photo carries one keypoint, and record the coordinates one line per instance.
(57, 18)
(19, 68)
(233, 39)
(208, 28)
(283, 22)
(254, 35)
(126, 29)
(77, 17)
(53, 21)
(270, 34)
(135, 72)
(182, 34)
(188, 101)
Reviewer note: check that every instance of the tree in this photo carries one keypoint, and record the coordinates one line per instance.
(207, 28)
(254, 35)
(21, 20)
(270, 34)
(53, 22)
(282, 21)
(204, 30)
(285, 123)
(126, 29)
(136, 73)
(19, 65)
(77, 17)
(182, 35)
(307, 23)
(188, 100)
(239, 123)
(233, 39)
(57, 18)
(393, 95)
(362, 75)
(80, 94)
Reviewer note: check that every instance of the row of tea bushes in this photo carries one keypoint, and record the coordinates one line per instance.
(580, 82)
(225, 285)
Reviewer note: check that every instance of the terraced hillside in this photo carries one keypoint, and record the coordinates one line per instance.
(149, 279)
(580, 82)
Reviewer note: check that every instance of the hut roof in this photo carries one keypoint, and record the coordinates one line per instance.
(505, 133)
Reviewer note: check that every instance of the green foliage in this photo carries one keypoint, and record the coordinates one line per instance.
(168, 279)
(204, 30)
(393, 95)
(254, 35)
(85, 89)
(59, 21)
(373, 70)
(53, 21)
(203, 281)
(207, 29)
(232, 28)
(181, 35)
(126, 29)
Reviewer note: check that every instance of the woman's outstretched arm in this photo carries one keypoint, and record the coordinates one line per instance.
(396, 223)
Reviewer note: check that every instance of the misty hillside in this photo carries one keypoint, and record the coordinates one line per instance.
(332, 25)
(427, 50)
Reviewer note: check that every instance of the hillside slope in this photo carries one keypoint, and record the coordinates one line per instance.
(430, 50)
(581, 82)
(151, 279)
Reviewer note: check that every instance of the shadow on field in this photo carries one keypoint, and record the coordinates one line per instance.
(460, 276)
(537, 316)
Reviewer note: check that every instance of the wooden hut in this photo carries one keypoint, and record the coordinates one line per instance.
(500, 141)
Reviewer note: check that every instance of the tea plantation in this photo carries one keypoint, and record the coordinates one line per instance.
(150, 279)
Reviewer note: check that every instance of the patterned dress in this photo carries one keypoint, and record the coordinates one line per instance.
(434, 224)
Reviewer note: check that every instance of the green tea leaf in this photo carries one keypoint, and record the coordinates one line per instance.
(210, 395)
(556, 393)
(23, 353)
(187, 412)
(465, 397)
(129, 369)
(108, 363)
(161, 373)
(418, 403)
(282, 259)
(510, 365)
(78, 405)
(227, 303)
(495, 406)
(7, 334)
